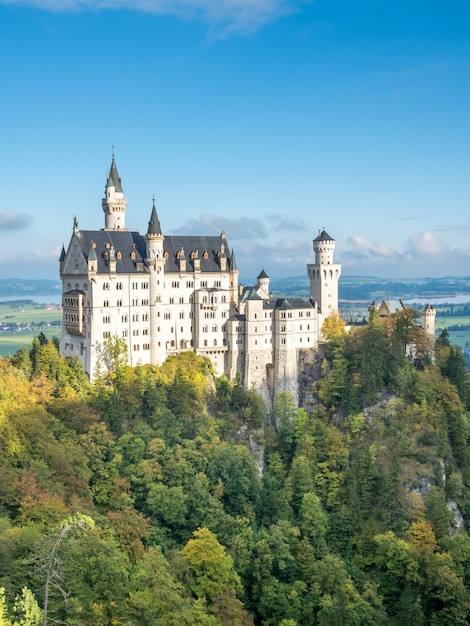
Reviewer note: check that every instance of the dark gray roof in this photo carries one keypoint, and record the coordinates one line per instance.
(154, 223)
(323, 236)
(62, 254)
(263, 274)
(288, 303)
(128, 244)
(232, 262)
(207, 249)
(249, 293)
(113, 177)
(92, 254)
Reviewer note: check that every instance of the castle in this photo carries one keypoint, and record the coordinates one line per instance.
(164, 294)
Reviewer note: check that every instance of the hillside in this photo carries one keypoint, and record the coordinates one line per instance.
(168, 496)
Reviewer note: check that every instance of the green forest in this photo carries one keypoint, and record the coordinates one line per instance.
(169, 496)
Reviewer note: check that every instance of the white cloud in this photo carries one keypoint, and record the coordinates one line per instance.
(226, 16)
(425, 244)
(363, 245)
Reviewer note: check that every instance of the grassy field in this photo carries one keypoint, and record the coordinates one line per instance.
(36, 316)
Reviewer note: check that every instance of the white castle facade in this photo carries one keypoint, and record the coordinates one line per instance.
(165, 294)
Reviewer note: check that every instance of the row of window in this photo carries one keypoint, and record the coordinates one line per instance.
(71, 302)
(73, 318)
(120, 286)
(125, 318)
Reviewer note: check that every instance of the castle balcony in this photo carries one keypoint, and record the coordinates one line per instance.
(208, 306)
(73, 312)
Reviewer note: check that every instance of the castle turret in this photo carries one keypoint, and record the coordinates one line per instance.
(262, 285)
(92, 261)
(324, 276)
(428, 317)
(155, 261)
(233, 279)
(114, 203)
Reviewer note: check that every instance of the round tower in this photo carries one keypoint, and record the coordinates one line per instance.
(428, 321)
(262, 285)
(114, 203)
(155, 261)
(324, 247)
(324, 276)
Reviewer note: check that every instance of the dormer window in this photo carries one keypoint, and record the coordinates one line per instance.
(165, 254)
(133, 254)
(205, 255)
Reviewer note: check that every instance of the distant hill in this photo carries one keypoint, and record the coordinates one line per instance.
(23, 287)
(368, 288)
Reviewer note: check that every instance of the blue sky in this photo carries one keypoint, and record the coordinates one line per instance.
(269, 119)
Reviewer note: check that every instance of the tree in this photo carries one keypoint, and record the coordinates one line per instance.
(111, 358)
(27, 609)
(155, 597)
(214, 578)
(50, 562)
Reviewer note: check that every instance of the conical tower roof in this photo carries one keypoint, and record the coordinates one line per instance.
(232, 261)
(154, 223)
(113, 177)
(323, 236)
(92, 254)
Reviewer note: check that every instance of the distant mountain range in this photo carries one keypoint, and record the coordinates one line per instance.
(365, 288)
(24, 287)
(368, 288)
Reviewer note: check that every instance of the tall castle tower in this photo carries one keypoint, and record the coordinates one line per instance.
(428, 322)
(114, 203)
(324, 276)
(155, 261)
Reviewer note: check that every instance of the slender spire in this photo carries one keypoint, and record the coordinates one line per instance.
(154, 223)
(113, 176)
(92, 252)
(232, 262)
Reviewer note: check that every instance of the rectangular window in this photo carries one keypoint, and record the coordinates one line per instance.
(146, 346)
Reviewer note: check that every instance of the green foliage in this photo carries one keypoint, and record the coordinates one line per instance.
(166, 495)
